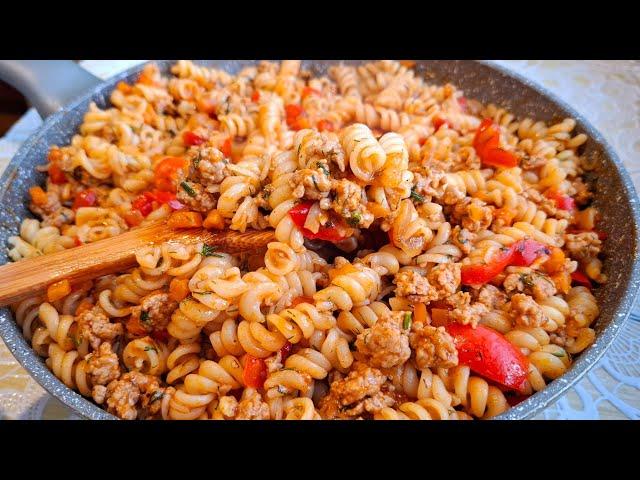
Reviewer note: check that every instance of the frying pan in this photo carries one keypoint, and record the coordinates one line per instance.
(53, 88)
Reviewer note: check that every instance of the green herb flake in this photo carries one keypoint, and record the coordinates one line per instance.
(157, 395)
(196, 161)
(322, 167)
(416, 197)
(406, 323)
(210, 251)
(144, 317)
(558, 354)
(187, 188)
(315, 184)
(149, 348)
(354, 219)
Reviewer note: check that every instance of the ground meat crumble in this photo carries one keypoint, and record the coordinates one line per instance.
(385, 344)
(433, 347)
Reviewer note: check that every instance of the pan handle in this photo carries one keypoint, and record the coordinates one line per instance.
(47, 84)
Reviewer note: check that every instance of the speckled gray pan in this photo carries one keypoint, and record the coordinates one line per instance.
(615, 196)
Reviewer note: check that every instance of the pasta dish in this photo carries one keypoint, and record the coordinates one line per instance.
(434, 257)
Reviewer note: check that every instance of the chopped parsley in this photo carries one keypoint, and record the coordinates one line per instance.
(558, 354)
(315, 184)
(266, 191)
(321, 166)
(187, 188)
(415, 196)
(144, 317)
(149, 348)
(355, 219)
(406, 323)
(526, 280)
(210, 251)
(196, 161)
(157, 395)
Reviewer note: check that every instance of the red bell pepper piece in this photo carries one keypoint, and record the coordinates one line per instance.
(525, 252)
(325, 126)
(563, 202)
(483, 273)
(166, 171)
(581, 279)
(487, 144)
(299, 216)
(306, 91)
(76, 241)
(255, 372)
(144, 202)
(85, 198)
(191, 139)
(521, 254)
(489, 354)
(57, 175)
(226, 148)
(255, 96)
(439, 121)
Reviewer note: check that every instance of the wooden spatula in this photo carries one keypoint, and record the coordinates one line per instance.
(32, 276)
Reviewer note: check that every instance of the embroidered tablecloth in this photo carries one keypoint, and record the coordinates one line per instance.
(606, 92)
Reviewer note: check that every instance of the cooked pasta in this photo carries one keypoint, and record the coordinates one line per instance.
(407, 219)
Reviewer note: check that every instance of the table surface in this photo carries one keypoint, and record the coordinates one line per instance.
(606, 92)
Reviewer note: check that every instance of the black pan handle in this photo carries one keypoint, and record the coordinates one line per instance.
(47, 84)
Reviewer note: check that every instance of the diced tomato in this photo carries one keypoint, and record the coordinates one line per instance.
(285, 351)
(563, 202)
(581, 279)
(525, 252)
(255, 372)
(191, 139)
(255, 96)
(487, 144)
(522, 254)
(76, 241)
(293, 110)
(422, 140)
(490, 354)
(439, 121)
(57, 175)
(160, 335)
(134, 326)
(295, 117)
(299, 216)
(325, 126)
(166, 172)
(144, 204)
(85, 198)
(306, 91)
(226, 148)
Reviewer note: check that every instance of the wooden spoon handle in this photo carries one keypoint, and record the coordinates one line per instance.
(31, 277)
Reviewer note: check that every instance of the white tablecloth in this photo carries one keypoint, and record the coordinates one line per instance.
(606, 92)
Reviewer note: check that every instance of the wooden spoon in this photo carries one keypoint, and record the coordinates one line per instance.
(32, 276)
